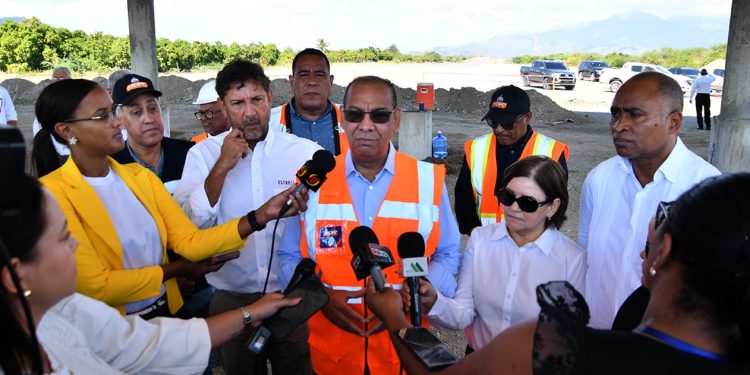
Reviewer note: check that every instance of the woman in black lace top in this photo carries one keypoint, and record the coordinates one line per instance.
(697, 267)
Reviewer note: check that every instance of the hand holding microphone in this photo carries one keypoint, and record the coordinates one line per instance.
(413, 266)
(369, 258)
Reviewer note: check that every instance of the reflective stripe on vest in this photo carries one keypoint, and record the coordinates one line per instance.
(480, 161)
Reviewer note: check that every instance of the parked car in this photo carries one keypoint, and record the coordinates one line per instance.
(591, 69)
(549, 74)
(616, 77)
(687, 72)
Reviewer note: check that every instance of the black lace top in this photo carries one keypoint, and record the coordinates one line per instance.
(564, 345)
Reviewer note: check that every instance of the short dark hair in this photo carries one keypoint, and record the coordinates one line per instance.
(56, 103)
(239, 71)
(310, 52)
(550, 177)
(371, 80)
(669, 90)
(710, 229)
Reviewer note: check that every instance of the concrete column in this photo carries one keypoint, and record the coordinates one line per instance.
(143, 39)
(415, 134)
(729, 149)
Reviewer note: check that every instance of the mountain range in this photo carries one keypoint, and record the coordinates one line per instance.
(631, 33)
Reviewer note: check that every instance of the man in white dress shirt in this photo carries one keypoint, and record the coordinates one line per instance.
(621, 194)
(702, 86)
(233, 173)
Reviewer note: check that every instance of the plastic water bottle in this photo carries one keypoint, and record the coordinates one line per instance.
(439, 146)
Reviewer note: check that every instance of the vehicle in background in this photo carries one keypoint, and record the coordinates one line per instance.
(614, 78)
(687, 72)
(716, 69)
(591, 69)
(549, 74)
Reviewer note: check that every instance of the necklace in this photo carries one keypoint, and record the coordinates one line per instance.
(679, 344)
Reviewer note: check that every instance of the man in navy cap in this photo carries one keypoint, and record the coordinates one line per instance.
(487, 157)
(140, 114)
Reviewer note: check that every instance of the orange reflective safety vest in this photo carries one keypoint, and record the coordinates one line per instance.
(480, 155)
(339, 137)
(411, 204)
(199, 137)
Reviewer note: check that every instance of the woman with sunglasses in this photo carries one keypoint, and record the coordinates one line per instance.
(122, 215)
(697, 267)
(79, 335)
(504, 262)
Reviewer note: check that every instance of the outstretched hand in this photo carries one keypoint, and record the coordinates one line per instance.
(387, 306)
(269, 305)
(270, 210)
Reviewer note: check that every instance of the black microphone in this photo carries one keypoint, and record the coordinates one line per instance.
(412, 266)
(369, 258)
(312, 175)
(305, 269)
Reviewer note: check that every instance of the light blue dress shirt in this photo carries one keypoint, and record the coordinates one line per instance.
(319, 130)
(367, 197)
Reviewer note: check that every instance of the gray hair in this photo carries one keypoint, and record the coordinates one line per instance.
(115, 76)
(61, 69)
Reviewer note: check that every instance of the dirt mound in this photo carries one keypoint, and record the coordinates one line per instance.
(22, 91)
(178, 90)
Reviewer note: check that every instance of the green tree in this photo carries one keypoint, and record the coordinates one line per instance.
(322, 45)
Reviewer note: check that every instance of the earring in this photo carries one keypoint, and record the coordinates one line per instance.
(652, 271)
(72, 141)
(27, 293)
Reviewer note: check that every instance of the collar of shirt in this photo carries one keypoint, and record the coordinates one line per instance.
(266, 143)
(545, 242)
(390, 164)
(669, 169)
(299, 117)
(159, 165)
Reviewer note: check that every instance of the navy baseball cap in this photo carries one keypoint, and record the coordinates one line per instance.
(130, 86)
(507, 103)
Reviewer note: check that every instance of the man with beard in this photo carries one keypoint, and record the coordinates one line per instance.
(310, 114)
(236, 172)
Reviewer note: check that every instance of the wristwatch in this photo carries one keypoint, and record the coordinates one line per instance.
(251, 219)
(246, 318)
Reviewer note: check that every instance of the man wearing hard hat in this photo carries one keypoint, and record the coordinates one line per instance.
(212, 119)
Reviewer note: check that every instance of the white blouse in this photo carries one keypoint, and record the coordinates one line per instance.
(497, 282)
(84, 336)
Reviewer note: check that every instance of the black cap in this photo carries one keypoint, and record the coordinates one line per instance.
(130, 86)
(507, 103)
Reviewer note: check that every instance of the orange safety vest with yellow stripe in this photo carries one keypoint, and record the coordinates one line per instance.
(199, 137)
(480, 156)
(330, 217)
(340, 141)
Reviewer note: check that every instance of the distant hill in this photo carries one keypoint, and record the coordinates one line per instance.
(14, 19)
(631, 33)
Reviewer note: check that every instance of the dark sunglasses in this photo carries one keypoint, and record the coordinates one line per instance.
(662, 214)
(525, 202)
(494, 124)
(378, 116)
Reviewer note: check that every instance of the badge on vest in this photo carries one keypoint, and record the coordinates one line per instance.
(330, 239)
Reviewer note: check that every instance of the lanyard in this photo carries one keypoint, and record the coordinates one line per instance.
(679, 344)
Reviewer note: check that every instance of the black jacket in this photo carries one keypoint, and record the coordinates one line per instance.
(175, 152)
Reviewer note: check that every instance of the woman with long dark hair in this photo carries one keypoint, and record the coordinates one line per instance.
(80, 335)
(121, 214)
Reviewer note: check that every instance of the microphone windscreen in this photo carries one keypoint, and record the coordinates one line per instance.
(324, 161)
(410, 245)
(361, 235)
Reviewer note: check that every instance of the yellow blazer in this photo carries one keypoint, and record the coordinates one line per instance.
(99, 253)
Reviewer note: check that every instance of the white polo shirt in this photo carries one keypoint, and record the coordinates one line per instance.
(266, 171)
(613, 227)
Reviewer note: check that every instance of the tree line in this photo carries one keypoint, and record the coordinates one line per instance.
(30, 45)
(666, 57)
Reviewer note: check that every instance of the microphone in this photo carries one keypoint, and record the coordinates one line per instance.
(305, 269)
(413, 265)
(312, 174)
(369, 258)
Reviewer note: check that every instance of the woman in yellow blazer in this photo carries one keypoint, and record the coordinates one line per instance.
(80, 114)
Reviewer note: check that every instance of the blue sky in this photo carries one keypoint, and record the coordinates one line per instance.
(413, 25)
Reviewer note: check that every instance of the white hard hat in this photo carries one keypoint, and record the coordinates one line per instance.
(207, 94)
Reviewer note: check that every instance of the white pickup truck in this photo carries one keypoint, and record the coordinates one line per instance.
(616, 77)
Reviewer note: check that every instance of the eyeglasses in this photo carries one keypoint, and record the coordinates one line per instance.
(525, 202)
(116, 111)
(662, 214)
(208, 114)
(494, 124)
(378, 117)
